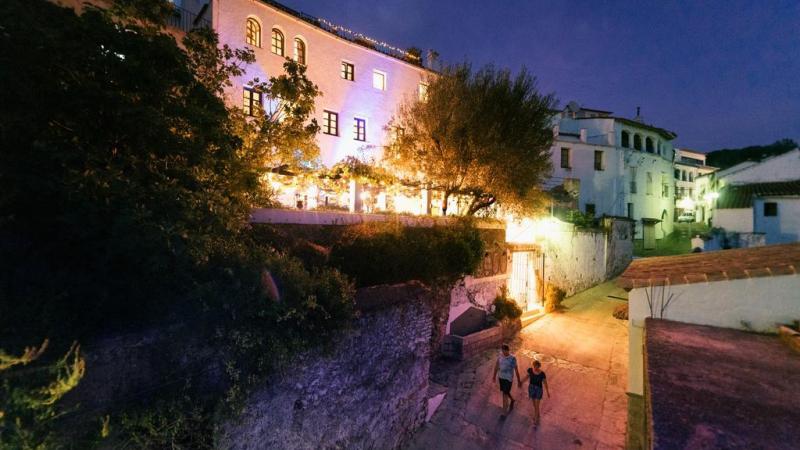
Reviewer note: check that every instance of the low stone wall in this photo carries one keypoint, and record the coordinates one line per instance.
(465, 347)
(368, 391)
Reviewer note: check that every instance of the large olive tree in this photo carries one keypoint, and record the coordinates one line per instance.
(485, 135)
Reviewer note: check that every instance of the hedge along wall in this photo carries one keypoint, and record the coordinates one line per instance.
(577, 259)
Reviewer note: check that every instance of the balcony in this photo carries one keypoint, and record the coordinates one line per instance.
(187, 21)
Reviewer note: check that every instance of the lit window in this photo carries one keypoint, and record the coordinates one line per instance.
(379, 80)
(770, 209)
(253, 33)
(300, 51)
(330, 123)
(598, 160)
(348, 71)
(277, 42)
(360, 129)
(423, 92)
(251, 101)
(565, 158)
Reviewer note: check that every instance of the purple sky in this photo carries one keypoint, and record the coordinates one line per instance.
(718, 73)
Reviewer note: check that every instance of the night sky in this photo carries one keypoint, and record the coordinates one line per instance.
(718, 73)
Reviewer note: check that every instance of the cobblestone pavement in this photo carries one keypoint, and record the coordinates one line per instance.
(584, 351)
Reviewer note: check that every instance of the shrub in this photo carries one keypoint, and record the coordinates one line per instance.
(621, 312)
(553, 298)
(390, 253)
(505, 308)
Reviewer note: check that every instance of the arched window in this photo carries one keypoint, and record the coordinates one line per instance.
(253, 32)
(648, 145)
(299, 51)
(626, 139)
(277, 42)
(683, 175)
(637, 142)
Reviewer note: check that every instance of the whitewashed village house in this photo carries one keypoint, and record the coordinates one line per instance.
(757, 203)
(615, 166)
(690, 166)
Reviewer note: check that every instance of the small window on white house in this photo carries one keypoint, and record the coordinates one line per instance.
(251, 101)
(330, 123)
(300, 51)
(348, 71)
(770, 209)
(598, 160)
(565, 158)
(379, 80)
(360, 129)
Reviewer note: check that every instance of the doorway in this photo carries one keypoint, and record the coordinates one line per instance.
(523, 280)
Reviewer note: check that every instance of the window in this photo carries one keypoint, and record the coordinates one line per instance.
(590, 208)
(770, 209)
(379, 80)
(677, 174)
(683, 175)
(277, 42)
(648, 145)
(664, 185)
(649, 185)
(598, 160)
(630, 210)
(633, 180)
(330, 123)
(423, 91)
(565, 158)
(637, 142)
(300, 51)
(251, 101)
(626, 139)
(360, 129)
(691, 176)
(253, 32)
(348, 71)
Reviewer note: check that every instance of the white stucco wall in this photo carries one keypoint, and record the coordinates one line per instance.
(754, 304)
(603, 188)
(780, 229)
(785, 167)
(734, 219)
(324, 55)
(478, 292)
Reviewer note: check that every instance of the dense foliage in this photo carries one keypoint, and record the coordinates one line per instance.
(505, 308)
(485, 135)
(390, 253)
(30, 395)
(729, 157)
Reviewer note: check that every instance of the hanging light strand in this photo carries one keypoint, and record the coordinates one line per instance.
(356, 35)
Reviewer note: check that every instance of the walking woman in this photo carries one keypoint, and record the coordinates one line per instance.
(538, 380)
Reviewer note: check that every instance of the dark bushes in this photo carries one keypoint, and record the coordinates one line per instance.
(390, 253)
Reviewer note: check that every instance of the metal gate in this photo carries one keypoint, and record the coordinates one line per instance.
(523, 280)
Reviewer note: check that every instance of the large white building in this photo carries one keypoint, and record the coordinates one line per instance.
(361, 87)
(615, 166)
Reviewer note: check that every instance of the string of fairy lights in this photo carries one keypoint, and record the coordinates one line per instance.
(356, 35)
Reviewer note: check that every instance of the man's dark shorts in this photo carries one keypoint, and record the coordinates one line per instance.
(505, 386)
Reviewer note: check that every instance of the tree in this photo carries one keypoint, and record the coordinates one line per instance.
(282, 135)
(725, 158)
(485, 135)
(122, 172)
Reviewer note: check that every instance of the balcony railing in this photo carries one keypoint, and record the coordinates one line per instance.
(187, 20)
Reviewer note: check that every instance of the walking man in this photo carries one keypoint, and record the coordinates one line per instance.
(506, 365)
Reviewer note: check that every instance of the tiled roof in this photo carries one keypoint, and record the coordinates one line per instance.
(754, 262)
(711, 387)
(741, 196)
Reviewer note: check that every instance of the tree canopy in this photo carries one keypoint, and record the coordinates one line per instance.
(481, 134)
(728, 157)
(122, 170)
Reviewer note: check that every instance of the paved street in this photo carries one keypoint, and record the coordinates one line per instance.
(584, 351)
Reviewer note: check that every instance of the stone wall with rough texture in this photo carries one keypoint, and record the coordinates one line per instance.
(368, 392)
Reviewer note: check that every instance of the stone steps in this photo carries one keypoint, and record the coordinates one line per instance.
(528, 317)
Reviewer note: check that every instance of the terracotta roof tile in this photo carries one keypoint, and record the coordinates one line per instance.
(755, 262)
